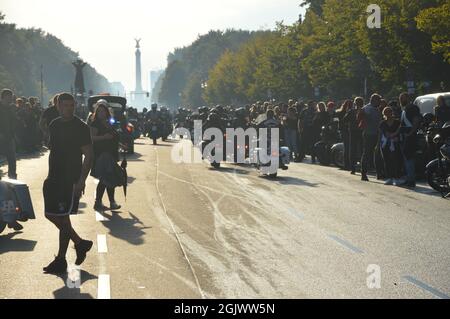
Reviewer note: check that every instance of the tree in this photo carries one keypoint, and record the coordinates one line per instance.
(436, 22)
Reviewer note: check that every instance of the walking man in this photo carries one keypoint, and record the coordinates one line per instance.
(70, 139)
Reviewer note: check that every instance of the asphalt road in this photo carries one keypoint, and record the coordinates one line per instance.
(189, 231)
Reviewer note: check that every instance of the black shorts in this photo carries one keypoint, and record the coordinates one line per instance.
(59, 198)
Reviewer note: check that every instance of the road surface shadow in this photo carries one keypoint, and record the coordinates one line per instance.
(133, 157)
(9, 244)
(289, 180)
(127, 229)
(423, 190)
(163, 145)
(70, 290)
(226, 169)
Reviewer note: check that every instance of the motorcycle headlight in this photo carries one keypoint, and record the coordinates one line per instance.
(445, 151)
(437, 139)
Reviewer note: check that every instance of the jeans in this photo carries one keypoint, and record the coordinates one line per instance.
(369, 144)
(9, 150)
(410, 168)
(355, 147)
(290, 137)
(347, 153)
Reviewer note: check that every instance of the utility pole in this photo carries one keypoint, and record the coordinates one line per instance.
(42, 85)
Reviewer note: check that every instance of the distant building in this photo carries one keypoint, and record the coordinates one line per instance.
(117, 88)
(154, 77)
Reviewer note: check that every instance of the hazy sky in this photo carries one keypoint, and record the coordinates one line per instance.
(103, 31)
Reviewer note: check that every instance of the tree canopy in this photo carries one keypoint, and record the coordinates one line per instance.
(22, 53)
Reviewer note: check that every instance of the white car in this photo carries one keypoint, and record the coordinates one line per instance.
(426, 103)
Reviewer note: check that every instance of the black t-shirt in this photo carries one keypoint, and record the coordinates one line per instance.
(50, 114)
(8, 122)
(66, 140)
(385, 128)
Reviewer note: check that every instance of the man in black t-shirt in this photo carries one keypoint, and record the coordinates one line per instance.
(8, 121)
(410, 122)
(70, 139)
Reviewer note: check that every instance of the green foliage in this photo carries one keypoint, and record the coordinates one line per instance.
(188, 67)
(331, 48)
(22, 53)
(436, 22)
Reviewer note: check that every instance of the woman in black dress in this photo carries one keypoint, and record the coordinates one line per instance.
(106, 142)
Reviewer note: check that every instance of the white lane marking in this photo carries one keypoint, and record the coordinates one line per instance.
(101, 244)
(99, 217)
(346, 244)
(104, 289)
(424, 286)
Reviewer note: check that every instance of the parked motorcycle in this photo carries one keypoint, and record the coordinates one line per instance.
(438, 170)
(15, 203)
(330, 149)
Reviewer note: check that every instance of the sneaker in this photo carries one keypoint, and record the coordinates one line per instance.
(410, 184)
(353, 172)
(15, 225)
(364, 178)
(389, 182)
(114, 206)
(99, 206)
(57, 266)
(82, 248)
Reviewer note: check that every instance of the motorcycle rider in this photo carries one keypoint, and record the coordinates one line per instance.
(442, 111)
(153, 117)
(306, 129)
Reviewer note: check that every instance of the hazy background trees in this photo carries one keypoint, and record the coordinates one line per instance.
(329, 48)
(22, 53)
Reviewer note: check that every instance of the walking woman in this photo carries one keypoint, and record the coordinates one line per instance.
(344, 128)
(106, 149)
(390, 147)
(290, 125)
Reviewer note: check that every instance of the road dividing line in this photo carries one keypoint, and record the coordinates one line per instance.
(99, 217)
(104, 289)
(101, 244)
(194, 274)
(424, 286)
(346, 244)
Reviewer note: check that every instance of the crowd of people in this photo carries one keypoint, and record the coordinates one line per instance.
(381, 135)
(378, 135)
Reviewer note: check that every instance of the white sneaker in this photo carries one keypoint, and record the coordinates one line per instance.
(398, 182)
(389, 182)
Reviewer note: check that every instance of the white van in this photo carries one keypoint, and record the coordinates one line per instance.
(426, 103)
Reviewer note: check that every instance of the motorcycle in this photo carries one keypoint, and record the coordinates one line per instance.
(330, 149)
(283, 155)
(153, 130)
(15, 203)
(438, 170)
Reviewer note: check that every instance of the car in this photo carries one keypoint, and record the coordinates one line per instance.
(118, 107)
(426, 103)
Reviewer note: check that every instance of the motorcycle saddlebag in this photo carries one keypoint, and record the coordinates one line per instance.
(15, 200)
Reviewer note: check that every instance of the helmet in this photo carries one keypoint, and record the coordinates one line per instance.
(213, 117)
(102, 102)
